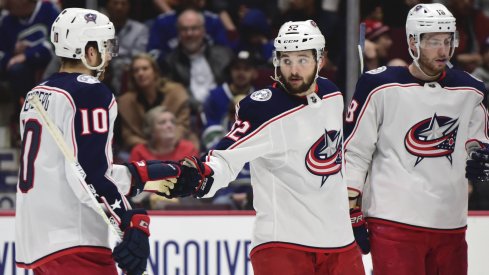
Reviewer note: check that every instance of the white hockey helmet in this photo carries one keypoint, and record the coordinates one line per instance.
(299, 36)
(75, 27)
(430, 18)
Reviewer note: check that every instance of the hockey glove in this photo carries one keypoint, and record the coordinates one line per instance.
(195, 179)
(477, 168)
(360, 229)
(132, 253)
(153, 176)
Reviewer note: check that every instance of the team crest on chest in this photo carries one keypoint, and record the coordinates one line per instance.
(432, 137)
(324, 157)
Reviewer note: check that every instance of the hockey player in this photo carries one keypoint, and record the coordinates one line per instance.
(291, 133)
(57, 231)
(406, 133)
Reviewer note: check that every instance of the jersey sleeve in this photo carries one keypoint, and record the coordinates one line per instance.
(478, 124)
(362, 121)
(248, 139)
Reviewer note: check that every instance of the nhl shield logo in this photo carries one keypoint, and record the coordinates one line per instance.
(324, 157)
(432, 137)
(262, 95)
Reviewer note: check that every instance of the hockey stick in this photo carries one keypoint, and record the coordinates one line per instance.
(75, 166)
(361, 45)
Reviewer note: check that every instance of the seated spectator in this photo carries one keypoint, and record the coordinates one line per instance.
(216, 109)
(467, 55)
(150, 90)
(254, 37)
(163, 143)
(377, 44)
(24, 47)
(133, 38)
(197, 64)
(164, 35)
(219, 113)
(482, 72)
(160, 130)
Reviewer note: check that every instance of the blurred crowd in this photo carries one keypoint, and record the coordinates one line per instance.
(184, 64)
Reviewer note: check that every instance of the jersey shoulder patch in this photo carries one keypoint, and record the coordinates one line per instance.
(261, 95)
(377, 71)
(83, 78)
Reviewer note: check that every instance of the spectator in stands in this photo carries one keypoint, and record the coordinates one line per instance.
(196, 63)
(24, 47)
(163, 143)
(255, 31)
(482, 72)
(150, 90)
(217, 108)
(160, 130)
(165, 36)
(378, 34)
(218, 111)
(467, 55)
(133, 39)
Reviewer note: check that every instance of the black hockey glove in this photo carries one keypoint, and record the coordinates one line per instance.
(477, 168)
(360, 229)
(132, 253)
(153, 176)
(195, 179)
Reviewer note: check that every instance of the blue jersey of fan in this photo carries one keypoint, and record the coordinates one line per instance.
(33, 32)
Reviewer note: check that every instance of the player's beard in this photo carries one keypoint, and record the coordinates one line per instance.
(431, 67)
(306, 84)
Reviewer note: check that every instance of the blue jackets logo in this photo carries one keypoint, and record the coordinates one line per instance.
(432, 137)
(324, 157)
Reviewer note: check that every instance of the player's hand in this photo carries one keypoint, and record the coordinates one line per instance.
(360, 229)
(132, 253)
(20, 58)
(153, 176)
(477, 168)
(195, 179)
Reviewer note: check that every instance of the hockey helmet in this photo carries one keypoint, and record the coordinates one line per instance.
(430, 18)
(299, 36)
(75, 27)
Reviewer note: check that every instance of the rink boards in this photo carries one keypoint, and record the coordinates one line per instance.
(218, 242)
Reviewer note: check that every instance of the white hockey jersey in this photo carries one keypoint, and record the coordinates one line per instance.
(409, 137)
(54, 215)
(294, 146)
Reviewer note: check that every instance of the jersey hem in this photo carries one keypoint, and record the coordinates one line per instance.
(417, 227)
(303, 247)
(64, 252)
